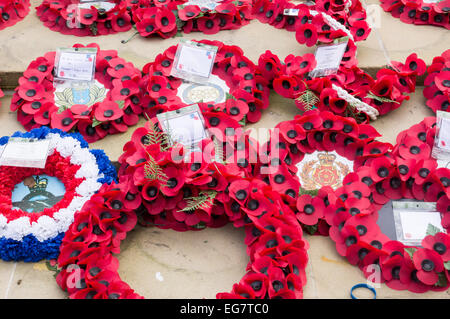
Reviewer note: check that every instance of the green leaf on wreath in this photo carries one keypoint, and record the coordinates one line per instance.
(442, 280)
(93, 28)
(308, 100)
(447, 265)
(310, 229)
(303, 191)
(410, 251)
(95, 122)
(229, 96)
(372, 96)
(203, 201)
(243, 121)
(432, 230)
(200, 225)
(121, 104)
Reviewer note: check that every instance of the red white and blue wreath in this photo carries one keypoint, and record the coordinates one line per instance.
(12, 11)
(38, 205)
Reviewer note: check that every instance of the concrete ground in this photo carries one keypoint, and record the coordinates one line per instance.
(166, 264)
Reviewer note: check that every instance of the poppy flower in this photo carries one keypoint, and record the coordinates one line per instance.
(31, 91)
(284, 86)
(442, 81)
(165, 20)
(411, 148)
(415, 65)
(146, 27)
(189, 12)
(440, 243)
(108, 111)
(439, 102)
(121, 21)
(64, 121)
(257, 282)
(310, 210)
(428, 264)
(208, 25)
(306, 34)
(87, 16)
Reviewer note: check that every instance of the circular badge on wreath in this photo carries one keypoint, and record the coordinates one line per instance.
(108, 105)
(392, 216)
(235, 88)
(307, 158)
(38, 204)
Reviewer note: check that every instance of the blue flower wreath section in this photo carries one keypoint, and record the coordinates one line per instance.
(30, 249)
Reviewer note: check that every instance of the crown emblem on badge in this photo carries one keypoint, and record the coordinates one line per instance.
(40, 184)
(325, 170)
(326, 159)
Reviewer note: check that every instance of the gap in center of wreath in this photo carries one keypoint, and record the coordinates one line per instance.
(36, 193)
(321, 168)
(163, 263)
(409, 220)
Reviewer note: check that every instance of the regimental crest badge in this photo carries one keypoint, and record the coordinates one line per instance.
(79, 93)
(323, 169)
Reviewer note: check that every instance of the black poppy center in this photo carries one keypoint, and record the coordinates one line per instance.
(383, 172)
(307, 33)
(427, 265)
(440, 248)
(66, 121)
(309, 209)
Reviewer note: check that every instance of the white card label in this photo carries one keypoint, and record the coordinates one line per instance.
(444, 134)
(291, 12)
(328, 59)
(210, 4)
(185, 126)
(76, 64)
(99, 5)
(194, 61)
(412, 220)
(23, 152)
(441, 146)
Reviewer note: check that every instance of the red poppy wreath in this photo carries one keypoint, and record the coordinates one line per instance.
(351, 92)
(307, 158)
(166, 18)
(235, 88)
(409, 172)
(159, 188)
(420, 12)
(314, 20)
(85, 19)
(109, 106)
(12, 11)
(437, 83)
